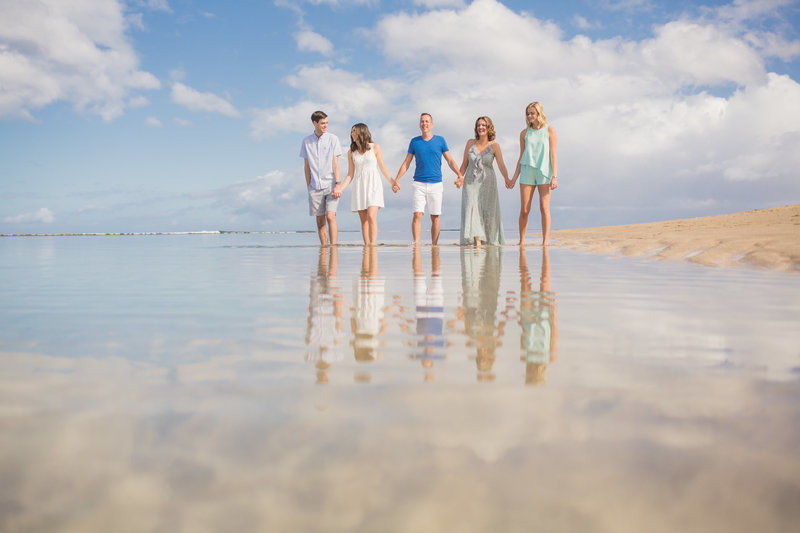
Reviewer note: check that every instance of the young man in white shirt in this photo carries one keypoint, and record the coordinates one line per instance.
(320, 152)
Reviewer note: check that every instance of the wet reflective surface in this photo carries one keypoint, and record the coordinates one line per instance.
(260, 383)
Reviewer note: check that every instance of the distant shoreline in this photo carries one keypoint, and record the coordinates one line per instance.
(763, 238)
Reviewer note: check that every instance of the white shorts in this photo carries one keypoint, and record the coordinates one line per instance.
(430, 194)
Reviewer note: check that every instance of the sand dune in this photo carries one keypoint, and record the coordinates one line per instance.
(764, 238)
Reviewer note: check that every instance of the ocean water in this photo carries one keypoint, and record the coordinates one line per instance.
(259, 382)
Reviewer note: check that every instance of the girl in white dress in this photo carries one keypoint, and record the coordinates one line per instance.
(365, 166)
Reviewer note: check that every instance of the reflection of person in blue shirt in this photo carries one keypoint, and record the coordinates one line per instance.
(538, 319)
(429, 342)
(324, 326)
(480, 282)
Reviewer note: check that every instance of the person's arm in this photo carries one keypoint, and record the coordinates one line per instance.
(553, 157)
(403, 169)
(307, 171)
(452, 164)
(519, 160)
(339, 189)
(381, 165)
(336, 179)
(465, 160)
(498, 155)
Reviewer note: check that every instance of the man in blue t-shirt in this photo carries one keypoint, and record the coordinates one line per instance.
(427, 151)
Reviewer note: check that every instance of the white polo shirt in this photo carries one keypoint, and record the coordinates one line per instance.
(319, 152)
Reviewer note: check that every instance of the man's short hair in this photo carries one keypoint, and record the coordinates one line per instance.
(316, 116)
(423, 114)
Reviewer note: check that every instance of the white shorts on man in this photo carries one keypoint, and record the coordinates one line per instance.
(429, 194)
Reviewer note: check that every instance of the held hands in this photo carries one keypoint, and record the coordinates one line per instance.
(337, 191)
(459, 182)
(395, 186)
(510, 183)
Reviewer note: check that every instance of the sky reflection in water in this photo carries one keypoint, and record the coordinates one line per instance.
(193, 383)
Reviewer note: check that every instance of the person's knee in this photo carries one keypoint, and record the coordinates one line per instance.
(417, 217)
(330, 216)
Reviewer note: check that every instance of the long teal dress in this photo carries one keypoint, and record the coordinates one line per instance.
(480, 204)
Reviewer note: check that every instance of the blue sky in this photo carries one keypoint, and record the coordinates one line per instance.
(179, 115)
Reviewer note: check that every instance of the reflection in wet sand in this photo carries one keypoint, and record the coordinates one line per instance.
(537, 314)
(368, 323)
(427, 337)
(324, 335)
(142, 398)
(480, 285)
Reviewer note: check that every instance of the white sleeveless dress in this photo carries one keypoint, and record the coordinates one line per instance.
(367, 186)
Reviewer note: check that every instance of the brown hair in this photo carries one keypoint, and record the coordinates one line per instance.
(490, 134)
(316, 116)
(362, 140)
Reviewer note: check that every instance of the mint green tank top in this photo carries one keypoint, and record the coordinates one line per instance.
(537, 150)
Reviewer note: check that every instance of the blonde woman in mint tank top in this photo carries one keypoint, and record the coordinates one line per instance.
(537, 168)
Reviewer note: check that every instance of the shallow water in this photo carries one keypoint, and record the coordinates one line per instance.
(254, 382)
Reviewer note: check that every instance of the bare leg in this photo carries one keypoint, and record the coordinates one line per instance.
(364, 225)
(372, 223)
(435, 229)
(525, 199)
(544, 207)
(477, 242)
(333, 229)
(322, 231)
(416, 227)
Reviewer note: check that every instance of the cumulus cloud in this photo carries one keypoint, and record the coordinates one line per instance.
(153, 122)
(269, 198)
(639, 121)
(197, 101)
(77, 52)
(343, 95)
(43, 215)
(309, 41)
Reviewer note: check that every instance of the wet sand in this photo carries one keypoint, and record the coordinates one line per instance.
(763, 238)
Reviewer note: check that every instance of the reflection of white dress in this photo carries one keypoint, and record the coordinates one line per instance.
(367, 187)
(368, 315)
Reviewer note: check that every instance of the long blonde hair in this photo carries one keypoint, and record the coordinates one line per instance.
(541, 121)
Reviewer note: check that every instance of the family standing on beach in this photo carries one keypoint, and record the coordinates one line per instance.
(537, 170)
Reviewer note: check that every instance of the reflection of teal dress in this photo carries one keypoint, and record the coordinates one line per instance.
(535, 161)
(537, 327)
(480, 204)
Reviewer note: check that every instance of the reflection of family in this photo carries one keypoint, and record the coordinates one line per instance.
(536, 170)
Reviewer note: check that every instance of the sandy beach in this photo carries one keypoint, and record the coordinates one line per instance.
(763, 238)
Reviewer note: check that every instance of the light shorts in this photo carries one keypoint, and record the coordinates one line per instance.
(430, 194)
(321, 201)
(529, 175)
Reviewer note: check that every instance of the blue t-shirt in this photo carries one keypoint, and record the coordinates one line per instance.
(428, 157)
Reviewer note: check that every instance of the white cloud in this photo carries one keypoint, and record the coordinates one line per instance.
(342, 95)
(182, 122)
(197, 101)
(435, 4)
(309, 41)
(639, 121)
(153, 122)
(43, 215)
(581, 22)
(67, 51)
